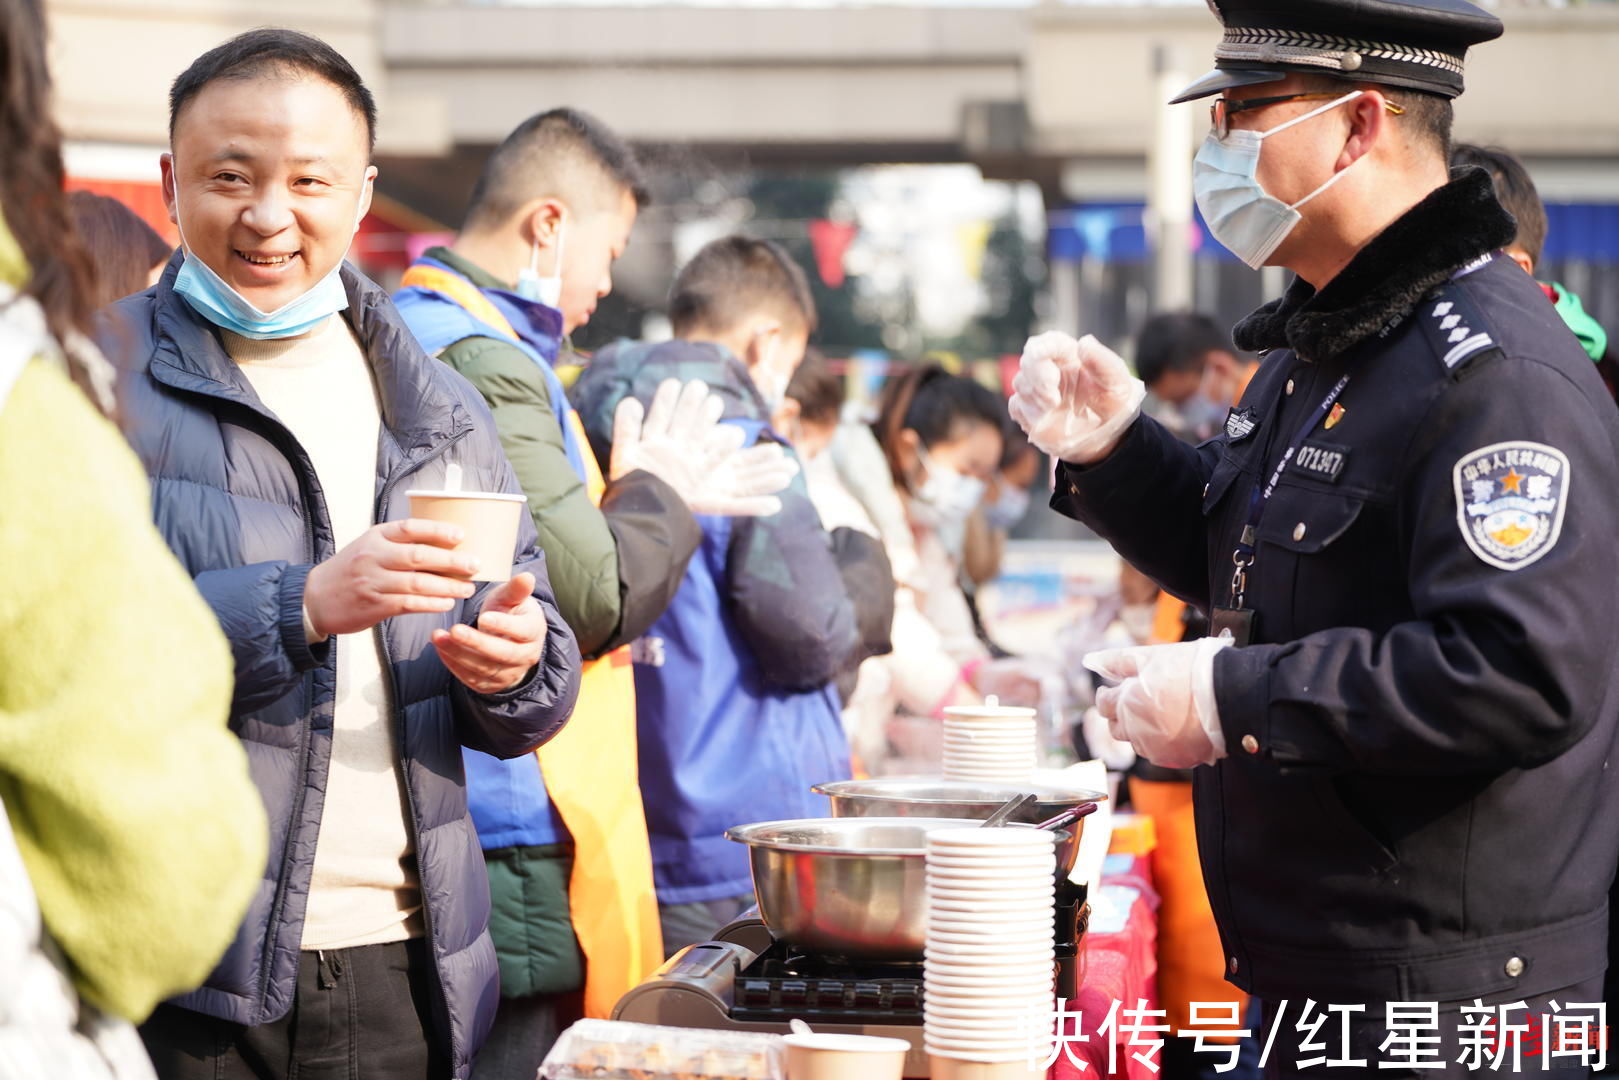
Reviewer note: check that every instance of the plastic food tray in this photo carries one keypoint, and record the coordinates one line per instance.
(610, 1050)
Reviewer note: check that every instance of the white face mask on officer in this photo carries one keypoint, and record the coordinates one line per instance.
(1243, 217)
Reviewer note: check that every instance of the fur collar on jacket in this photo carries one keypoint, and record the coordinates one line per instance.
(1389, 277)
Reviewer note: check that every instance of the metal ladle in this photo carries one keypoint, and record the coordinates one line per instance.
(1008, 808)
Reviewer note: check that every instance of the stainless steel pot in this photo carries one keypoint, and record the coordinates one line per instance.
(855, 887)
(926, 797)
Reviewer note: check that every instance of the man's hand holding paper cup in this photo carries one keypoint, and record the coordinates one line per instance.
(429, 563)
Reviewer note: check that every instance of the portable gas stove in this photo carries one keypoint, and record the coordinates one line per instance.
(746, 980)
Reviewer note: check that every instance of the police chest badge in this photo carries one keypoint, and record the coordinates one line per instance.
(1510, 501)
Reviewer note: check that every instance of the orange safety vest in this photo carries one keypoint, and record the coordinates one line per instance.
(591, 772)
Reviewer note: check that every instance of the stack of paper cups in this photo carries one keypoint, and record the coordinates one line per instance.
(988, 969)
(990, 744)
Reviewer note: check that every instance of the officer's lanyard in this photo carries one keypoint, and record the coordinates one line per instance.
(1247, 543)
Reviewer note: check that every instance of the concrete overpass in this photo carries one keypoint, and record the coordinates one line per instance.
(1063, 95)
(1059, 94)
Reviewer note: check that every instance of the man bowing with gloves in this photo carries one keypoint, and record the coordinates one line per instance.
(1403, 538)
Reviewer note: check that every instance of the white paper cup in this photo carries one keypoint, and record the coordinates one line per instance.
(1030, 972)
(944, 894)
(988, 771)
(973, 729)
(1012, 1064)
(1021, 931)
(952, 989)
(1007, 878)
(939, 891)
(947, 1067)
(1006, 744)
(1004, 836)
(1012, 952)
(988, 907)
(1033, 1015)
(1024, 942)
(489, 520)
(989, 712)
(1024, 864)
(1006, 1040)
(986, 1011)
(988, 1040)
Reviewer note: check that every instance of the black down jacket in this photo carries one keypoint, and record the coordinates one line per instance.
(236, 498)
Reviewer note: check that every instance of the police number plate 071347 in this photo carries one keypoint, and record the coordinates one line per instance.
(1510, 501)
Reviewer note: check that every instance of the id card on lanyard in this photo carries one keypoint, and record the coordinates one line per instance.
(1236, 622)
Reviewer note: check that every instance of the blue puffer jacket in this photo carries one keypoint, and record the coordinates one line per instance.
(735, 708)
(236, 498)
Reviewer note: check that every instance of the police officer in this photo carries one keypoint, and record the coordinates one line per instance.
(1405, 540)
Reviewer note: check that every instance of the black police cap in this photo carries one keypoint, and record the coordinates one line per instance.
(1419, 45)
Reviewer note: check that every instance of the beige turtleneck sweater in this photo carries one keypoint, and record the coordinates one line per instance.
(365, 889)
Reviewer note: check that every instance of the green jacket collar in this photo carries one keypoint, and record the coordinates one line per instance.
(468, 269)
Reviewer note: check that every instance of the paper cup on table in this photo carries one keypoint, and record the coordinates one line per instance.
(845, 1057)
(489, 520)
(949, 1068)
(989, 958)
(990, 743)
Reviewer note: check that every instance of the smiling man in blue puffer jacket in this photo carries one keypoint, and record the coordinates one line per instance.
(281, 447)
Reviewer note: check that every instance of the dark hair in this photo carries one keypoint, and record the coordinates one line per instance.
(1176, 341)
(938, 406)
(734, 278)
(563, 152)
(817, 390)
(273, 50)
(1428, 116)
(1017, 444)
(31, 196)
(124, 247)
(1514, 190)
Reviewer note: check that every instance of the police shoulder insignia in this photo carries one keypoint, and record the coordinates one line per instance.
(1456, 328)
(1510, 501)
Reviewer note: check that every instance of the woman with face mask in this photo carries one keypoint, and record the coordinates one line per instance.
(920, 471)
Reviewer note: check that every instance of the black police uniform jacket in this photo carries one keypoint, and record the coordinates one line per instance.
(1417, 803)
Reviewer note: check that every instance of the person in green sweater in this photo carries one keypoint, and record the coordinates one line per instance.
(128, 798)
(574, 914)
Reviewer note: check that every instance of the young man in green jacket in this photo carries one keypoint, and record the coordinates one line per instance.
(574, 910)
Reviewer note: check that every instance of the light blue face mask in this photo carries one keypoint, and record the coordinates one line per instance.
(1008, 508)
(543, 290)
(1250, 223)
(211, 297)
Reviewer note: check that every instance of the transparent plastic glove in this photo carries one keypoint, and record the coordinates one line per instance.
(1116, 754)
(733, 482)
(1075, 399)
(1164, 705)
(681, 441)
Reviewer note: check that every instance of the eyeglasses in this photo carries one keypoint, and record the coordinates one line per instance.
(1222, 110)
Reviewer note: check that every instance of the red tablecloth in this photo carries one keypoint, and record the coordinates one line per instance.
(1119, 967)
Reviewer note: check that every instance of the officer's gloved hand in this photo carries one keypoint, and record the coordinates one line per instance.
(1075, 399)
(681, 441)
(1164, 705)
